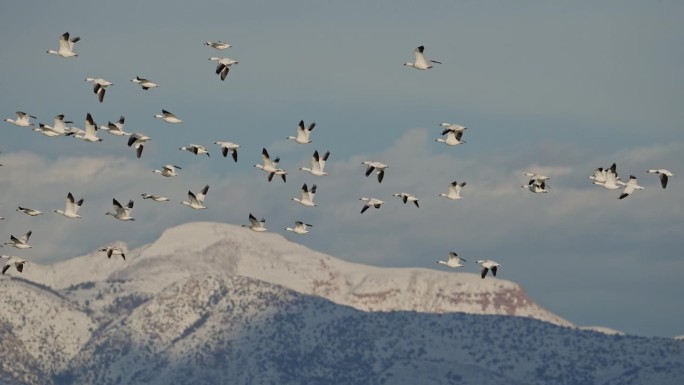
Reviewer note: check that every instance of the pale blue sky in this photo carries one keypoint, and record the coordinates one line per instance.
(542, 86)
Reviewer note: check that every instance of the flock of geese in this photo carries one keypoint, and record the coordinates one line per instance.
(451, 135)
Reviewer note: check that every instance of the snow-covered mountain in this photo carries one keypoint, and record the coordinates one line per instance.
(209, 303)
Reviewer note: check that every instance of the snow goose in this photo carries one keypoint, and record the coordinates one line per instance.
(278, 171)
(156, 198)
(116, 128)
(536, 178)
(168, 170)
(420, 63)
(453, 138)
(229, 147)
(300, 228)
(17, 262)
(144, 83)
(28, 211)
(58, 128)
(608, 179)
(223, 66)
(66, 46)
(218, 44)
(630, 187)
(370, 202)
(138, 141)
(454, 191)
(536, 187)
(111, 250)
(20, 243)
(663, 174)
(99, 86)
(90, 132)
(452, 127)
(372, 165)
(255, 224)
(486, 266)
(303, 133)
(406, 197)
(196, 201)
(317, 164)
(72, 207)
(168, 117)
(195, 149)
(22, 120)
(270, 165)
(306, 197)
(120, 212)
(453, 261)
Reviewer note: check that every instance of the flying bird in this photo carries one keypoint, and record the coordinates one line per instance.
(22, 120)
(20, 243)
(278, 171)
(144, 83)
(196, 201)
(66, 46)
(218, 44)
(195, 149)
(300, 228)
(271, 166)
(450, 127)
(223, 66)
(536, 187)
(317, 164)
(630, 187)
(28, 211)
(453, 261)
(486, 266)
(72, 207)
(420, 63)
(255, 224)
(138, 141)
(406, 197)
(306, 197)
(58, 128)
(372, 165)
(156, 198)
(111, 250)
(168, 170)
(663, 174)
(453, 138)
(454, 191)
(303, 133)
(168, 117)
(99, 87)
(120, 212)
(370, 202)
(116, 128)
(229, 148)
(90, 132)
(17, 262)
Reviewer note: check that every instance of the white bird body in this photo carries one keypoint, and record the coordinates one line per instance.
(144, 83)
(99, 87)
(303, 133)
(138, 141)
(453, 138)
(196, 149)
(196, 201)
(269, 166)
(379, 167)
(454, 191)
(300, 228)
(488, 265)
(17, 262)
(20, 243)
(420, 63)
(371, 202)
(90, 132)
(120, 212)
(255, 224)
(452, 127)
(23, 119)
(168, 171)
(223, 66)
(116, 128)
(29, 211)
(72, 207)
(66, 46)
(58, 128)
(306, 197)
(218, 44)
(631, 186)
(663, 174)
(156, 198)
(279, 171)
(610, 181)
(454, 261)
(406, 197)
(111, 250)
(536, 187)
(168, 117)
(317, 164)
(229, 148)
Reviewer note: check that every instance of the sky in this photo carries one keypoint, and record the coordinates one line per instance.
(546, 87)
